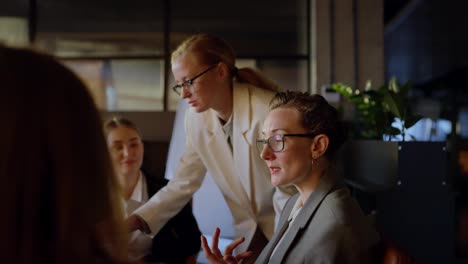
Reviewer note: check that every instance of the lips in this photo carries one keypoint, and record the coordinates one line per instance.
(129, 162)
(274, 170)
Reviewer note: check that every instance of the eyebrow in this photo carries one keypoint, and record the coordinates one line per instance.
(185, 78)
(274, 130)
(115, 142)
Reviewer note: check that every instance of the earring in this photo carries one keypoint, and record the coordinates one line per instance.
(315, 162)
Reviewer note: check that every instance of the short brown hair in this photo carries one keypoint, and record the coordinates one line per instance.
(319, 117)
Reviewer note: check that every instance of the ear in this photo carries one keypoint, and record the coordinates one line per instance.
(319, 146)
(223, 70)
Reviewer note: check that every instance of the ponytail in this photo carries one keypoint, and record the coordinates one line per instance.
(255, 78)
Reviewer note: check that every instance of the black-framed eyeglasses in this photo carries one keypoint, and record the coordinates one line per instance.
(276, 142)
(186, 84)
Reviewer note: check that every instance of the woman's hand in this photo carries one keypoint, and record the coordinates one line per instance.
(214, 255)
(134, 222)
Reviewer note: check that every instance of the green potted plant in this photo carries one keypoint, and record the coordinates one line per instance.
(405, 183)
(377, 109)
(371, 162)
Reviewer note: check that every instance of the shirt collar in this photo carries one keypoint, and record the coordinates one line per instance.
(296, 209)
(227, 127)
(138, 192)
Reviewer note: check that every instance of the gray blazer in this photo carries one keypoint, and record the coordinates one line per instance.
(330, 228)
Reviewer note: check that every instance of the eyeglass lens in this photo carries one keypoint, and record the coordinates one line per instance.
(275, 142)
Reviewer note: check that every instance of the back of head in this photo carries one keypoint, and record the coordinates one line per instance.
(211, 49)
(59, 188)
(319, 117)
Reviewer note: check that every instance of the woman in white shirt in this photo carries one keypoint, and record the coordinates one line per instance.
(178, 241)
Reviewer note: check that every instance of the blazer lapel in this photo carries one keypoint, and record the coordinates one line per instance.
(283, 223)
(305, 215)
(233, 182)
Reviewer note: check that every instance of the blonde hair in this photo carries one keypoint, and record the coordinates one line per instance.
(210, 49)
(116, 122)
(61, 200)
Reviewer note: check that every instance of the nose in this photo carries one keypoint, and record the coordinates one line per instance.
(267, 153)
(126, 151)
(185, 93)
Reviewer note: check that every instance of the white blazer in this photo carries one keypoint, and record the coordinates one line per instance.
(241, 175)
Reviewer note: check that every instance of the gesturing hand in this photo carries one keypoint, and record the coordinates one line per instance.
(214, 255)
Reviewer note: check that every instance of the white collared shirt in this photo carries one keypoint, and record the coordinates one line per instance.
(227, 129)
(292, 216)
(139, 242)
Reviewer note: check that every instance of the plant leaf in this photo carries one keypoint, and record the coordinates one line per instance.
(343, 89)
(368, 86)
(393, 85)
(390, 104)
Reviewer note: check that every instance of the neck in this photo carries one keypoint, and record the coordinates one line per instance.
(224, 105)
(307, 187)
(131, 181)
(224, 115)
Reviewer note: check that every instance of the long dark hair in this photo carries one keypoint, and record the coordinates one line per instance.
(61, 200)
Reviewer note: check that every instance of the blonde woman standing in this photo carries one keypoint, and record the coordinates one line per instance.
(227, 108)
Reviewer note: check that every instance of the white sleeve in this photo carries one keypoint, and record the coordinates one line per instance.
(168, 201)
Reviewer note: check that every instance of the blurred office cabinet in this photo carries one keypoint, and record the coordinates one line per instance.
(419, 213)
(408, 186)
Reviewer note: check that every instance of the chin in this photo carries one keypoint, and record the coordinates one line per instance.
(200, 109)
(276, 181)
(127, 171)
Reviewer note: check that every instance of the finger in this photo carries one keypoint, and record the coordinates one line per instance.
(204, 243)
(216, 233)
(206, 249)
(230, 248)
(230, 260)
(214, 243)
(243, 255)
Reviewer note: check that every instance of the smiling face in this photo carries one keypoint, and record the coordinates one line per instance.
(203, 92)
(126, 150)
(292, 165)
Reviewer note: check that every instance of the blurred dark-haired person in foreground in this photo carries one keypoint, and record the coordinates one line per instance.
(322, 223)
(60, 196)
(178, 241)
